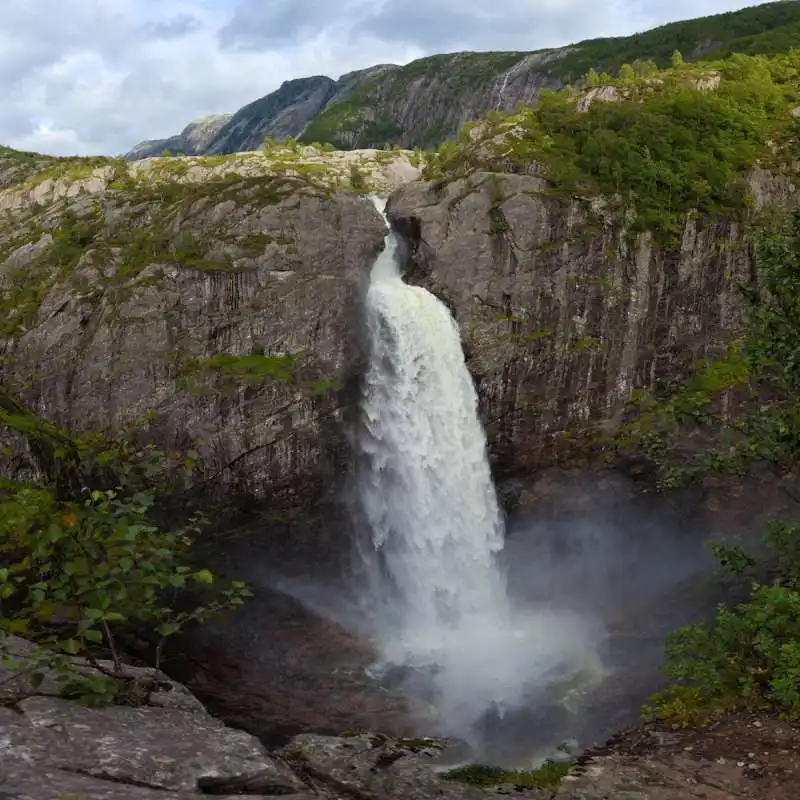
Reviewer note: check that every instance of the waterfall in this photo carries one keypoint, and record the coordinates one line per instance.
(515, 69)
(429, 497)
(435, 528)
(502, 92)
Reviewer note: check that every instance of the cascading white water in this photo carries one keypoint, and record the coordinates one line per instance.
(430, 505)
(429, 498)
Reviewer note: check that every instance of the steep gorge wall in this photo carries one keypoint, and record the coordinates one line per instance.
(564, 313)
(180, 303)
(221, 322)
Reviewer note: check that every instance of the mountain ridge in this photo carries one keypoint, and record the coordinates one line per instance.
(425, 102)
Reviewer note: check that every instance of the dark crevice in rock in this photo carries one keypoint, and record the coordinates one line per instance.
(12, 704)
(101, 776)
(259, 785)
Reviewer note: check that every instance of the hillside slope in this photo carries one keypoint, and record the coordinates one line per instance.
(284, 112)
(425, 102)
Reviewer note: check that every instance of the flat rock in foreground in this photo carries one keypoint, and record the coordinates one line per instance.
(52, 748)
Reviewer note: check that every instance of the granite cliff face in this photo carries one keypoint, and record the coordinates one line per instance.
(564, 314)
(425, 102)
(193, 140)
(208, 305)
(284, 112)
(213, 306)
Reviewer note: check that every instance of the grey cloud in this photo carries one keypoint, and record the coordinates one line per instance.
(277, 23)
(499, 25)
(178, 26)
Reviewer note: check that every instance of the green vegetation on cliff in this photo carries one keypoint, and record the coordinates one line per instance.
(749, 655)
(760, 30)
(18, 166)
(658, 143)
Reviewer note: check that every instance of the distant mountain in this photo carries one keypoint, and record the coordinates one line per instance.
(425, 102)
(284, 112)
(288, 110)
(191, 141)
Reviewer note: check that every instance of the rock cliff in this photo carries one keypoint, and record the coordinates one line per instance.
(425, 102)
(208, 305)
(564, 314)
(193, 140)
(287, 111)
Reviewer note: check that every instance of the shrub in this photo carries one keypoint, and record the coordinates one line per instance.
(358, 180)
(80, 567)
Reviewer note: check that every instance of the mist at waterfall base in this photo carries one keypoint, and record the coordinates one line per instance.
(505, 638)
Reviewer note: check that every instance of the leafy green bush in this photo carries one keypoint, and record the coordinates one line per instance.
(748, 656)
(78, 567)
(76, 571)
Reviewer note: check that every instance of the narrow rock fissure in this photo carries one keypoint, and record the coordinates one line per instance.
(102, 776)
(259, 784)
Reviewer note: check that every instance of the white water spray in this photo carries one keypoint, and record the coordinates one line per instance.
(436, 529)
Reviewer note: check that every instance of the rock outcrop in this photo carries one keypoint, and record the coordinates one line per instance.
(193, 140)
(168, 746)
(52, 748)
(563, 312)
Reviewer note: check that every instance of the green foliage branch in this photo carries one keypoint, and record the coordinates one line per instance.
(80, 567)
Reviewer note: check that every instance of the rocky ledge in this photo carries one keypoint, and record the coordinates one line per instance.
(53, 748)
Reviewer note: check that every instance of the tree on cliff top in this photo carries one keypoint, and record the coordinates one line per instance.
(661, 146)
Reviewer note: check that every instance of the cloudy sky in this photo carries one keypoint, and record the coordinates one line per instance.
(98, 76)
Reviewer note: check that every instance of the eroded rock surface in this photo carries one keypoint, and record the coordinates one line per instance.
(215, 315)
(52, 747)
(564, 311)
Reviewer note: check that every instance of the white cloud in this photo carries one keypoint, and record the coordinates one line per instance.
(89, 76)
